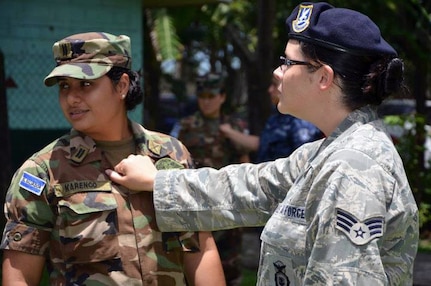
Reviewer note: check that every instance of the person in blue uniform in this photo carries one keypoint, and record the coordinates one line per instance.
(282, 134)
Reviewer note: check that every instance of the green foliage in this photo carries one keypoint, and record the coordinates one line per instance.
(249, 277)
(164, 36)
(411, 152)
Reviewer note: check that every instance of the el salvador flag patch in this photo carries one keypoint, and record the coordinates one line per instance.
(359, 232)
(32, 183)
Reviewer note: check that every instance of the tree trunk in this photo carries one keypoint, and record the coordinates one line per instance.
(419, 90)
(152, 74)
(259, 70)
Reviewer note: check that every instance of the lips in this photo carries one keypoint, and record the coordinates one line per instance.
(77, 113)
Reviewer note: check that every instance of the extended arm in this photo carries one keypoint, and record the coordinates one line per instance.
(250, 142)
(209, 199)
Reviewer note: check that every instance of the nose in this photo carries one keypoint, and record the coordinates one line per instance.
(278, 73)
(73, 96)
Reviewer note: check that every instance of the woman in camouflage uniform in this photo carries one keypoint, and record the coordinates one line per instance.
(338, 211)
(64, 212)
(200, 133)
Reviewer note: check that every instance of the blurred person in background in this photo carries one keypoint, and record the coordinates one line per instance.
(282, 134)
(209, 147)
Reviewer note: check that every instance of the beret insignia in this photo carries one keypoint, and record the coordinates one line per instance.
(303, 19)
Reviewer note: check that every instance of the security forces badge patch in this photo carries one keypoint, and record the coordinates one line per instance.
(280, 276)
(303, 19)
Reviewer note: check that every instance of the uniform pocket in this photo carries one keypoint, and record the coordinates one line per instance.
(87, 227)
(284, 239)
(286, 229)
(276, 269)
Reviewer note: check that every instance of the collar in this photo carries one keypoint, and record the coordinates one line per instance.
(357, 117)
(82, 148)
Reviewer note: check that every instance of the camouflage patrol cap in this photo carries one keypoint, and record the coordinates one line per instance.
(89, 56)
(211, 83)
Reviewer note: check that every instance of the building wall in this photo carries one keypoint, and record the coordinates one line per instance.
(28, 29)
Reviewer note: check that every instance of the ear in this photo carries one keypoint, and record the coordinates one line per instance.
(123, 84)
(326, 74)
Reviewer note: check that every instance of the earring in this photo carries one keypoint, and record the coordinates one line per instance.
(123, 96)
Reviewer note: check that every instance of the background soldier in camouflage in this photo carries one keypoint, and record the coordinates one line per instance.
(200, 133)
(64, 212)
(338, 211)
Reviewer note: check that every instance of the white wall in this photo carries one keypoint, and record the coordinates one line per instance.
(28, 29)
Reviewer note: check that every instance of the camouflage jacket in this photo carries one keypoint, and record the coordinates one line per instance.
(207, 145)
(62, 205)
(338, 211)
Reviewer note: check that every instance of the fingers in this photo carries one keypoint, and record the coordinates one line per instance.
(122, 167)
(129, 173)
(119, 168)
(114, 176)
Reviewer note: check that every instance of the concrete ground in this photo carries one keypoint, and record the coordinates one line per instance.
(422, 270)
(250, 259)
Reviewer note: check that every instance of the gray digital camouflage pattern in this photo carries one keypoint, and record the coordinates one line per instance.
(338, 211)
(62, 205)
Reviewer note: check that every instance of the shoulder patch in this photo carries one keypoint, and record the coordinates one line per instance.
(32, 183)
(359, 232)
(168, 163)
(154, 147)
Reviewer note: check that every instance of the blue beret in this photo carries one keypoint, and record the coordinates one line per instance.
(338, 29)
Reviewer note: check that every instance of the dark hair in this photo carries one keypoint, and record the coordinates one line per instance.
(363, 79)
(135, 95)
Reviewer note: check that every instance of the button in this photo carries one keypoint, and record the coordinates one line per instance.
(17, 236)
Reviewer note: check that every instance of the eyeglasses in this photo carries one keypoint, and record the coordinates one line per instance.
(287, 62)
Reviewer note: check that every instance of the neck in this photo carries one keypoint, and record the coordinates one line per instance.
(333, 118)
(113, 132)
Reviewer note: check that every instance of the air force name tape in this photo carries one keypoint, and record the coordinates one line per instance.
(32, 183)
(294, 213)
(359, 232)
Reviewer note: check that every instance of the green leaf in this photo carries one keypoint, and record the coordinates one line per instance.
(165, 38)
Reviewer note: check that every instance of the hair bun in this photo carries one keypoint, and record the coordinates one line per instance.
(394, 76)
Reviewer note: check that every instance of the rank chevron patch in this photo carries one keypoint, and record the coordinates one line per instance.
(359, 232)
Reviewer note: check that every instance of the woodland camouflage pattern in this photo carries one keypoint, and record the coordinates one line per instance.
(89, 56)
(93, 232)
(203, 139)
(210, 148)
(338, 211)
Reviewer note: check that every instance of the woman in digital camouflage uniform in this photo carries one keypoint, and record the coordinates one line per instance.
(338, 211)
(62, 209)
